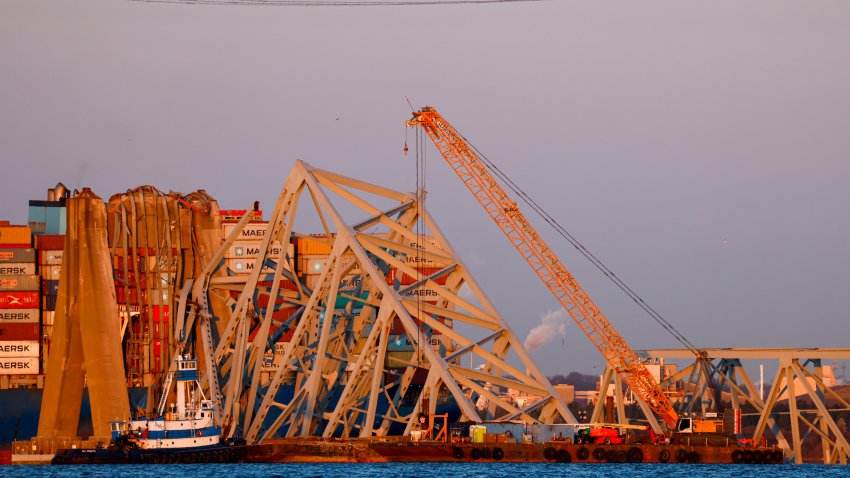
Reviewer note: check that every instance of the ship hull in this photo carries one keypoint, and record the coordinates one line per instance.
(213, 454)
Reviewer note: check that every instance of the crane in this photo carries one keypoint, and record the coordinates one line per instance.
(474, 173)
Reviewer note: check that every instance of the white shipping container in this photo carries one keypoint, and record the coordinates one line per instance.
(245, 266)
(246, 250)
(26, 283)
(51, 272)
(122, 308)
(253, 231)
(18, 365)
(19, 316)
(47, 317)
(424, 293)
(17, 268)
(19, 348)
(312, 264)
(51, 258)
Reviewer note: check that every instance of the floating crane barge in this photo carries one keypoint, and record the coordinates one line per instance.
(400, 449)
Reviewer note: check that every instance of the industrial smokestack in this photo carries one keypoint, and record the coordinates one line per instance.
(60, 192)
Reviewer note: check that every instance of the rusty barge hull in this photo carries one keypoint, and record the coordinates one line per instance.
(307, 450)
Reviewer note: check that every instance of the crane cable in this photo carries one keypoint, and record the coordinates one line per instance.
(420, 233)
(584, 251)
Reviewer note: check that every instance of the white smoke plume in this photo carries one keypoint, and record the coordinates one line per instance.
(552, 324)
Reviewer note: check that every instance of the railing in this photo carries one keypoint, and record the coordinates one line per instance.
(49, 446)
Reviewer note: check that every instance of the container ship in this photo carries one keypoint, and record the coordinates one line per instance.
(150, 268)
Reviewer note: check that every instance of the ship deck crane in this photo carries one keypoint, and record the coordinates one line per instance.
(546, 264)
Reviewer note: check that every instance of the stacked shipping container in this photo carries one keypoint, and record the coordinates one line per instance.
(50, 249)
(313, 252)
(143, 290)
(19, 314)
(241, 259)
(401, 348)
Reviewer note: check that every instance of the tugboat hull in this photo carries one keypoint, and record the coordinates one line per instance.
(116, 456)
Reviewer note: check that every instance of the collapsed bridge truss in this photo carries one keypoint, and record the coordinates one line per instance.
(334, 376)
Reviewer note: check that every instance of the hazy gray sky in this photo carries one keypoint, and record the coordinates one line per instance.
(700, 149)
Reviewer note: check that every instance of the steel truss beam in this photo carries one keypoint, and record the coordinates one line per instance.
(335, 376)
(798, 370)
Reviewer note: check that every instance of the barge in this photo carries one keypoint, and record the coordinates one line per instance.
(392, 449)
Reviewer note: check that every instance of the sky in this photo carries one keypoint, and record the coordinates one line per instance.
(700, 149)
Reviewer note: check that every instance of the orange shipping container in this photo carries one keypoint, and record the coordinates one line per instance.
(318, 245)
(15, 235)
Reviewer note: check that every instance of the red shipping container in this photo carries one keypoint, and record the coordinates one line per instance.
(140, 327)
(121, 295)
(19, 300)
(50, 242)
(156, 364)
(160, 330)
(236, 214)
(128, 278)
(256, 329)
(423, 273)
(160, 313)
(283, 314)
(285, 284)
(263, 300)
(20, 331)
(16, 246)
(143, 251)
(156, 347)
(118, 263)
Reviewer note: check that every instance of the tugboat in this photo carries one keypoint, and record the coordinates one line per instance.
(186, 433)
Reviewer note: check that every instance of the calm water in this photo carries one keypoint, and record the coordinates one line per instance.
(429, 470)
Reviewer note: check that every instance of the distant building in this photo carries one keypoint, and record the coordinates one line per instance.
(566, 392)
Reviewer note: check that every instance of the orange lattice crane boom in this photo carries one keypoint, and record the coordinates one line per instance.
(504, 211)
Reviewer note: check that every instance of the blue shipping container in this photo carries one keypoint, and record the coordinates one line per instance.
(50, 287)
(49, 303)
